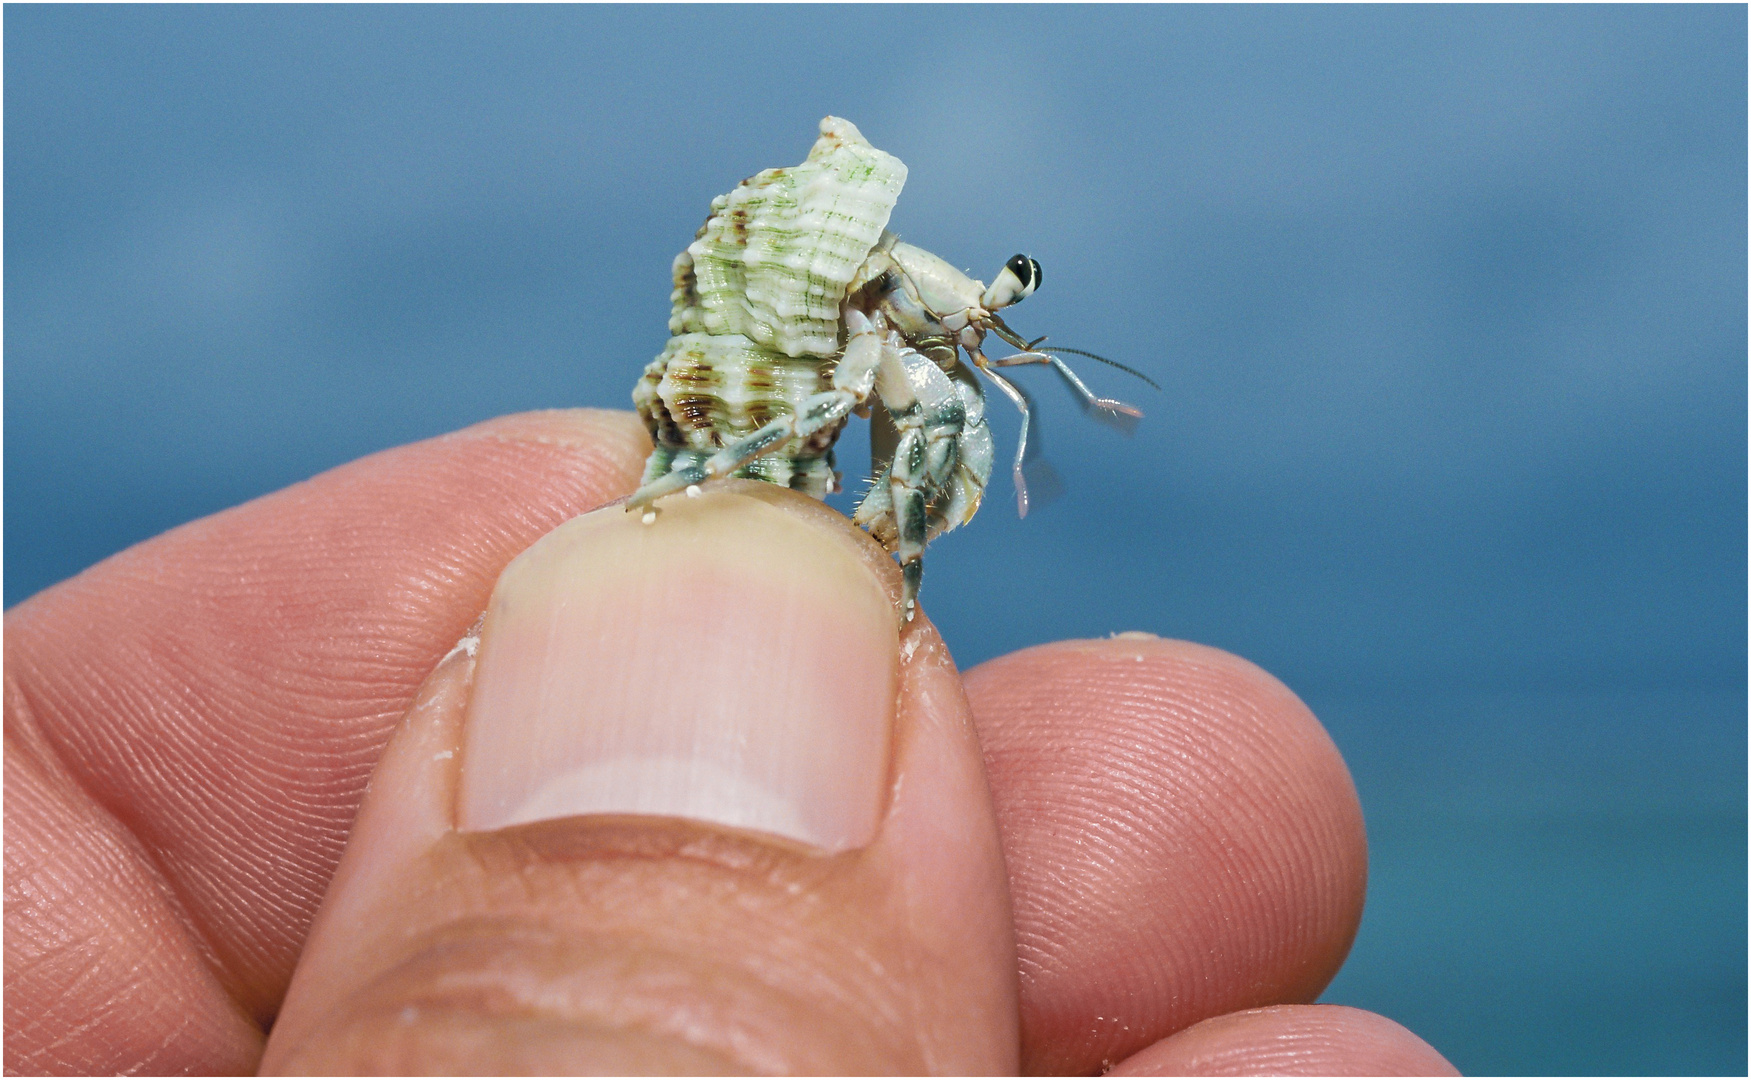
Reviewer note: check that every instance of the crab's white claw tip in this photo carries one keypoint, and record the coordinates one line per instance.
(650, 517)
(693, 491)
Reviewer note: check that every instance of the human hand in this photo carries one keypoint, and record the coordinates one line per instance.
(190, 727)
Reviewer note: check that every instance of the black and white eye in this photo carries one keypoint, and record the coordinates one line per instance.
(1016, 282)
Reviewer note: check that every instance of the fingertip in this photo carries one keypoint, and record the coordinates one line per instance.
(688, 667)
(747, 819)
(1291, 1040)
(1228, 672)
(1182, 835)
(613, 434)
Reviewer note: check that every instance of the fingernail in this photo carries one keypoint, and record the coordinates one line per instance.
(729, 662)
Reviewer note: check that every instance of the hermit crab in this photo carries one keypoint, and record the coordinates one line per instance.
(792, 308)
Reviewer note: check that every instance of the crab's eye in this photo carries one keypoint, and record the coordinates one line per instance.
(1016, 282)
(1026, 271)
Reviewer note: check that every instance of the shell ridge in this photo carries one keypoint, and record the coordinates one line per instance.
(755, 308)
(773, 261)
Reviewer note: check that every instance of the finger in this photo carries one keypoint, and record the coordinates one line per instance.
(212, 701)
(1290, 1040)
(698, 805)
(1183, 841)
(84, 910)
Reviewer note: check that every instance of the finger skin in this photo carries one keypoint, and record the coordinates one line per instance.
(218, 696)
(85, 913)
(1183, 841)
(1291, 1040)
(205, 707)
(616, 943)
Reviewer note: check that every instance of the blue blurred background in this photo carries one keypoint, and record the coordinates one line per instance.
(1448, 306)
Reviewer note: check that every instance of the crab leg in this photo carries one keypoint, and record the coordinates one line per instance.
(1020, 400)
(922, 464)
(1088, 396)
(853, 377)
(930, 417)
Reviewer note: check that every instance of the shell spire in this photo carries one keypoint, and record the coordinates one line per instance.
(774, 260)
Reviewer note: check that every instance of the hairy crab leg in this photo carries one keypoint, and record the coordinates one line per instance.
(930, 418)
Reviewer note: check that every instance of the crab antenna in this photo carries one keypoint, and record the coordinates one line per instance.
(1104, 360)
(1003, 331)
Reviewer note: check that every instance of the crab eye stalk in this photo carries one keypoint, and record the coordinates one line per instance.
(1016, 282)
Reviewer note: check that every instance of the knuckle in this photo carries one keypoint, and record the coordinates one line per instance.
(564, 949)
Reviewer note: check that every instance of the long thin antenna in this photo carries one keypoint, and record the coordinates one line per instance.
(1003, 331)
(1104, 360)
